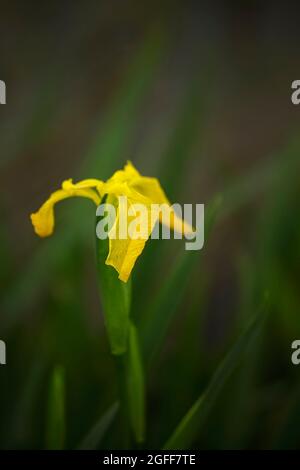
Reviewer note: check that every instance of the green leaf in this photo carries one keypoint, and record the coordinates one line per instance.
(55, 430)
(131, 392)
(99, 430)
(136, 390)
(115, 297)
(192, 423)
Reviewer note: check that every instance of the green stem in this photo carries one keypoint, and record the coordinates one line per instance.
(132, 392)
(124, 345)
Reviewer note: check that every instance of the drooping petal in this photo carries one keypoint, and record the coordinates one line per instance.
(43, 219)
(123, 252)
(123, 255)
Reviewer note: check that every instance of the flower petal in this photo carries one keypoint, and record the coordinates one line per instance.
(43, 219)
(151, 188)
(123, 253)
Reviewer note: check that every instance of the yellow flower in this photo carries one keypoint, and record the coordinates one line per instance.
(128, 182)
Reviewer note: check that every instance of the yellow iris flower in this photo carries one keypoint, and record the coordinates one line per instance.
(123, 253)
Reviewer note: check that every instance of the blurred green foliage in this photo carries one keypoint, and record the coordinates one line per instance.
(59, 387)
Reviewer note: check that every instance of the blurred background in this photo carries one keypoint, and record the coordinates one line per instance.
(198, 95)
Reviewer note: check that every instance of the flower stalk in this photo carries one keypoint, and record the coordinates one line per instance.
(123, 341)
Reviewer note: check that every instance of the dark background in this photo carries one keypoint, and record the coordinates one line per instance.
(197, 94)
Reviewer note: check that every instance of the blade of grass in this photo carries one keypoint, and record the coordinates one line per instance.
(136, 389)
(192, 423)
(131, 391)
(135, 398)
(23, 415)
(55, 430)
(287, 434)
(97, 433)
